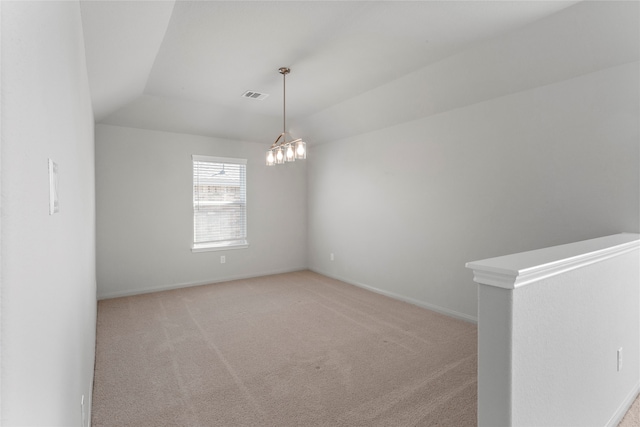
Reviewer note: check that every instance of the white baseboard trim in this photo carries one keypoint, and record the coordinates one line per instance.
(89, 407)
(624, 407)
(393, 295)
(169, 287)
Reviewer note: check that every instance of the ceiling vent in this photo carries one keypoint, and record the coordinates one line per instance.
(254, 95)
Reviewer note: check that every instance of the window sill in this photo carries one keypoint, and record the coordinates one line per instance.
(220, 246)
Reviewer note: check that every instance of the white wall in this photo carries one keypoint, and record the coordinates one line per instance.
(520, 167)
(551, 322)
(145, 217)
(566, 334)
(48, 262)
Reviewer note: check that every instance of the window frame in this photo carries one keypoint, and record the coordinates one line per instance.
(240, 243)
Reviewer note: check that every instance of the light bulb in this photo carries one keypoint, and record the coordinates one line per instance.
(301, 149)
(290, 154)
(279, 154)
(270, 159)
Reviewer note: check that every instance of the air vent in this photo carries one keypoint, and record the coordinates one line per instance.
(254, 95)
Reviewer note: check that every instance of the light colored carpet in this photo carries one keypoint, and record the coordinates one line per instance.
(295, 349)
(632, 418)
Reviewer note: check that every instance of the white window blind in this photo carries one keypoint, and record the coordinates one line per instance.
(219, 203)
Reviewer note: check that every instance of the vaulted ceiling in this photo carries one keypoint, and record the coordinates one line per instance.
(182, 66)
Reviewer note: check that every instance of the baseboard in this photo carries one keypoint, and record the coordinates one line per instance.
(190, 284)
(433, 307)
(393, 295)
(624, 407)
(90, 405)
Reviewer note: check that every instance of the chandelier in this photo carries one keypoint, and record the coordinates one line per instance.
(281, 150)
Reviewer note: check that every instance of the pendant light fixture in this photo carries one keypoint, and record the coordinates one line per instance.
(281, 150)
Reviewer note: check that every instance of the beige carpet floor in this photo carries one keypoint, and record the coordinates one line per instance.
(632, 418)
(295, 349)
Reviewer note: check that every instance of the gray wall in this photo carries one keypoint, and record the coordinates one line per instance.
(544, 158)
(145, 217)
(48, 262)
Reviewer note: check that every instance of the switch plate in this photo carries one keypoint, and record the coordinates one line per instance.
(331, 257)
(82, 409)
(223, 259)
(53, 188)
(620, 359)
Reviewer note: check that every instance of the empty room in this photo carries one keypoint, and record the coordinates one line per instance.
(320, 213)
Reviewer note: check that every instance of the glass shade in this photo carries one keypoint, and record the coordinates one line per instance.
(279, 156)
(301, 150)
(290, 155)
(271, 160)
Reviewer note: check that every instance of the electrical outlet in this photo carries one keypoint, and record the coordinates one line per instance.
(620, 359)
(331, 257)
(223, 259)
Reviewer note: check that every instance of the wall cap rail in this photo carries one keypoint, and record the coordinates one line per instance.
(520, 269)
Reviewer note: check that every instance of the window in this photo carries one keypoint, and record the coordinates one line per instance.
(219, 203)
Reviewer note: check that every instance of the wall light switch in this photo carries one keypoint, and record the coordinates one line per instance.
(331, 257)
(53, 187)
(223, 259)
(82, 410)
(620, 359)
